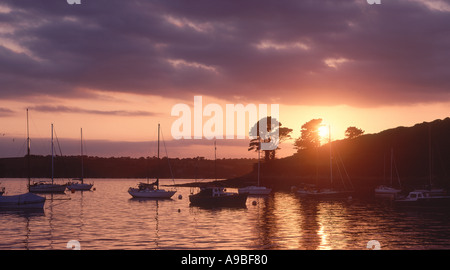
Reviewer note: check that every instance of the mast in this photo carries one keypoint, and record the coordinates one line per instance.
(82, 169)
(392, 167)
(157, 177)
(259, 159)
(28, 153)
(430, 164)
(215, 160)
(52, 153)
(331, 161)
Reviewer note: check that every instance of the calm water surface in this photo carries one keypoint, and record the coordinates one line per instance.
(108, 218)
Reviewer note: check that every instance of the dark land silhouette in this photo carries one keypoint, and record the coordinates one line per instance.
(365, 161)
(125, 167)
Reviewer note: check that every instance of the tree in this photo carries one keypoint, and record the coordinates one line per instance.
(272, 127)
(309, 137)
(353, 132)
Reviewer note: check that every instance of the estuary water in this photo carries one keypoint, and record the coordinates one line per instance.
(108, 218)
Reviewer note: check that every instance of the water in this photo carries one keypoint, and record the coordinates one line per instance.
(108, 218)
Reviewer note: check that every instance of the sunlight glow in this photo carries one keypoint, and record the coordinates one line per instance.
(324, 132)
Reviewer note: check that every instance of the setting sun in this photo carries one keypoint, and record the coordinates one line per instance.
(324, 132)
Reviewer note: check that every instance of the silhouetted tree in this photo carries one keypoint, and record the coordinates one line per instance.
(353, 132)
(309, 137)
(272, 127)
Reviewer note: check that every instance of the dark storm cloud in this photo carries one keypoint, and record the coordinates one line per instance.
(298, 52)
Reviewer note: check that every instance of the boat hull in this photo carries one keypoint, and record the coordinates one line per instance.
(82, 187)
(151, 194)
(255, 190)
(386, 190)
(324, 193)
(232, 200)
(47, 188)
(23, 201)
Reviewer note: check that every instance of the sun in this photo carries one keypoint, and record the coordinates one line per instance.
(323, 131)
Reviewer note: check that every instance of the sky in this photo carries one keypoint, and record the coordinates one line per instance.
(117, 68)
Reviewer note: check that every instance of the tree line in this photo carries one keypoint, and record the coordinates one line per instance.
(310, 137)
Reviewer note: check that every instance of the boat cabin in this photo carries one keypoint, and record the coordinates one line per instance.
(212, 191)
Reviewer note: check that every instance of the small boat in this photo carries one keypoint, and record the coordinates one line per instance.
(389, 189)
(46, 187)
(382, 189)
(151, 190)
(26, 200)
(423, 199)
(2, 190)
(330, 192)
(22, 201)
(217, 196)
(80, 185)
(323, 192)
(256, 190)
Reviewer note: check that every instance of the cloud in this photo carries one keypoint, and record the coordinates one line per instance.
(298, 52)
(66, 109)
(4, 112)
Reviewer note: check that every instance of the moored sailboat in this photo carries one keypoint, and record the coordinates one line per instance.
(151, 190)
(256, 190)
(330, 192)
(80, 185)
(26, 200)
(389, 189)
(48, 187)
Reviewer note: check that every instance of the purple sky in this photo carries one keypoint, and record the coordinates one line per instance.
(292, 52)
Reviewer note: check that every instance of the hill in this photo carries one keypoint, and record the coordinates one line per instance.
(365, 161)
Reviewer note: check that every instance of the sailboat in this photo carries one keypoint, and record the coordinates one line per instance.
(46, 187)
(429, 197)
(214, 196)
(325, 192)
(26, 200)
(151, 190)
(80, 185)
(256, 190)
(389, 189)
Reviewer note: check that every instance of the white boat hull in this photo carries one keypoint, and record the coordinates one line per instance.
(79, 186)
(254, 190)
(147, 193)
(23, 201)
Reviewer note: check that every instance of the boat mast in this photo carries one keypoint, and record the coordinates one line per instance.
(392, 167)
(215, 160)
(157, 177)
(430, 164)
(52, 153)
(82, 169)
(259, 158)
(28, 153)
(331, 161)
